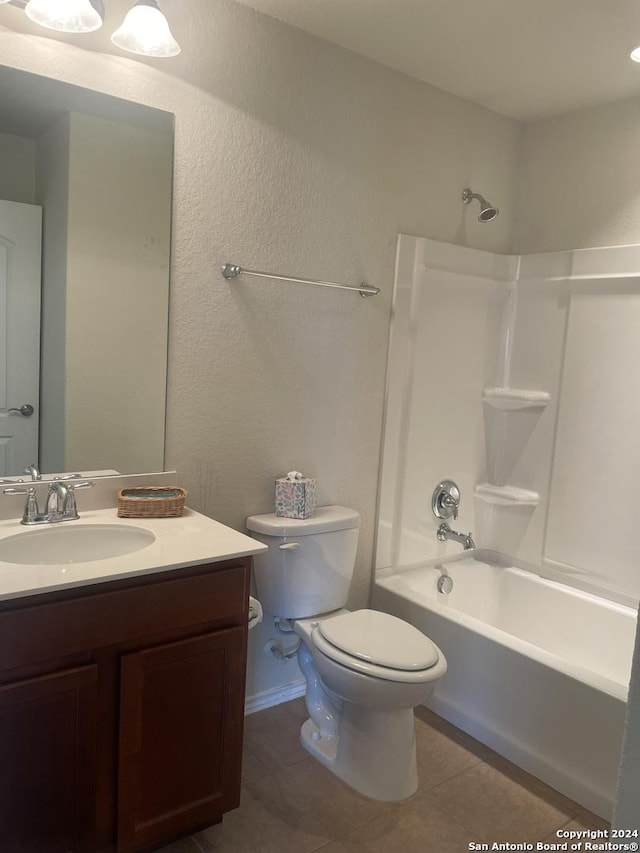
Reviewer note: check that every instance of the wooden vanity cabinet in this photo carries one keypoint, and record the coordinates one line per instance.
(121, 710)
(47, 761)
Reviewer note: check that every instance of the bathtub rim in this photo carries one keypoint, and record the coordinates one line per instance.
(384, 578)
(564, 575)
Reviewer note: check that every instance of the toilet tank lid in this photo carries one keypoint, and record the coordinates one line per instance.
(325, 520)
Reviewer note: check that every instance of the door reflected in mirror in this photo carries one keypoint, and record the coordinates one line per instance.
(85, 224)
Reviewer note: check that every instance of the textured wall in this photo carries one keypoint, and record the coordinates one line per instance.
(296, 156)
(311, 161)
(579, 181)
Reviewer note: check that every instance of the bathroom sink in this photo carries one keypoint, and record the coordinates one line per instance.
(53, 545)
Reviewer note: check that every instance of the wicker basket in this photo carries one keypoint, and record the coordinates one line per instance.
(151, 502)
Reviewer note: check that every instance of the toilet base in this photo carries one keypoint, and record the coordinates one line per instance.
(374, 752)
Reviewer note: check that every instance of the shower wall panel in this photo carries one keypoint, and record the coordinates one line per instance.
(595, 488)
(445, 347)
(564, 323)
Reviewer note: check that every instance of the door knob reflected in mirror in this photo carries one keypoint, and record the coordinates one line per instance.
(25, 410)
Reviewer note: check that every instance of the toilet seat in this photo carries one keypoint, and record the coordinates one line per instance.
(377, 644)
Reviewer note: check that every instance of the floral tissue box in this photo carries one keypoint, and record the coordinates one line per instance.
(295, 496)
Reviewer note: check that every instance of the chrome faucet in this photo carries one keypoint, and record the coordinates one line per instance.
(465, 539)
(33, 472)
(61, 502)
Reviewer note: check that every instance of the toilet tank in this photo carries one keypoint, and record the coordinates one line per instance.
(309, 565)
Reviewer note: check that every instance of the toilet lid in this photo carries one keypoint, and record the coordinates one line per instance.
(380, 639)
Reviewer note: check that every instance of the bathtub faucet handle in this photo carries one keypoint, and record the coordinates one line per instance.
(451, 503)
(445, 500)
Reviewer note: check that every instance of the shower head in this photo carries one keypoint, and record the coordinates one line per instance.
(487, 211)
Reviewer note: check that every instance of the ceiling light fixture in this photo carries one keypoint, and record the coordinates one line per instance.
(635, 54)
(66, 16)
(145, 29)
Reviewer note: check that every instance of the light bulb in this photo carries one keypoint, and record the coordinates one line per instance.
(145, 30)
(635, 54)
(67, 16)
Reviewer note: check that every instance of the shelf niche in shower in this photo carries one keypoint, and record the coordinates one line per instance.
(510, 399)
(506, 495)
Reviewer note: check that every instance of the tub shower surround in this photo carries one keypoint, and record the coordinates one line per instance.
(528, 674)
(503, 374)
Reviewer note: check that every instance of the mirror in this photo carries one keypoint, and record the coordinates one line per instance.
(85, 187)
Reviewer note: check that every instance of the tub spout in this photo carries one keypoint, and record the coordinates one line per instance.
(465, 539)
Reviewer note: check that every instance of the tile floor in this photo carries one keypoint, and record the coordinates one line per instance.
(291, 804)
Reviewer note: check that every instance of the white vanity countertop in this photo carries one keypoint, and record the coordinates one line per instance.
(191, 539)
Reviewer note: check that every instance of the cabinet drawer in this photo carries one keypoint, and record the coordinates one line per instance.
(102, 619)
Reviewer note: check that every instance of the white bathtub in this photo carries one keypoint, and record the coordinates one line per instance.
(537, 670)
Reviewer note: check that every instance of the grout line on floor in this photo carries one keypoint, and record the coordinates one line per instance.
(425, 789)
(194, 840)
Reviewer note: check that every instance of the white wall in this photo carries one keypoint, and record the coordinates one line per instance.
(18, 173)
(105, 190)
(291, 155)
(579, 182)
(119, 222)
(53, 195)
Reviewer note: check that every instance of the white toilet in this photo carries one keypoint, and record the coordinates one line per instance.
(365, 670)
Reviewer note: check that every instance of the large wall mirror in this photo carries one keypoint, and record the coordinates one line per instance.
(85, 221)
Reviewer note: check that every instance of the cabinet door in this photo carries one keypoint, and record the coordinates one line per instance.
(181, 718)
(47, 762)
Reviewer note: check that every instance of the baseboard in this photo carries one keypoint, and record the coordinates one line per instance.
(274, 696)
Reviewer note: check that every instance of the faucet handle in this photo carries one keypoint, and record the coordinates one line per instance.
(450, 503)
(70, 509)
(31, 512)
